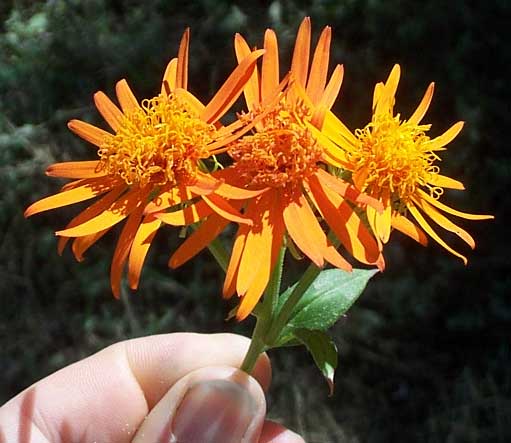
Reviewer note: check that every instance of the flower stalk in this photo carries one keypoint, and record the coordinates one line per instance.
(270, 323)
(285, 313)
(258, 342)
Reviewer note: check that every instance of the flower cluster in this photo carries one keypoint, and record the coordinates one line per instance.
(281, 176)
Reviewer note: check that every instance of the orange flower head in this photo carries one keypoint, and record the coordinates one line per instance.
(396, 156)
(283, 163)
(149, 169)
(159, 143)
(284, 153)
(393, 160)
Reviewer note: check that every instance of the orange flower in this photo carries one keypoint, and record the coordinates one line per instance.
(393, 160)
(283, 160)
(152, 163)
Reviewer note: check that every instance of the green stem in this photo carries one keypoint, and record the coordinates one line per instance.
(257, 342)
(285, 313)
(256, 348)
(271, 297)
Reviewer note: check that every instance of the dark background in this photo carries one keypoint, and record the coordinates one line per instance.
(424, 356)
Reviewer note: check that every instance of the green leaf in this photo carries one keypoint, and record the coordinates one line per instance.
(327, 299)
(323, 350)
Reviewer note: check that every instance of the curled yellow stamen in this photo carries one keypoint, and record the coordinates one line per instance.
(159, 142)
(285, 152)
(395, 156)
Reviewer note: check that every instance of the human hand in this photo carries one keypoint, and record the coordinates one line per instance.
(174, 388)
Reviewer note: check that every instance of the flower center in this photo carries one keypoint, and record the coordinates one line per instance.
(159, 143)
(394, 156)
(283, 150)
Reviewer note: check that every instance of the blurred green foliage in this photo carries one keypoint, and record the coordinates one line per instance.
(425, 354)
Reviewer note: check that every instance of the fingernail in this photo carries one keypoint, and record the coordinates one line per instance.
(214, 411)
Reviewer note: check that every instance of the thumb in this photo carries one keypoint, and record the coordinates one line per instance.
(209, 405)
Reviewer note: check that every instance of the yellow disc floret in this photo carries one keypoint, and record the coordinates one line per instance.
(285, 152)
(159, 142)
(394, 156)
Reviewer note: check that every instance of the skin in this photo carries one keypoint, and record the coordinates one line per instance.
(130, 391)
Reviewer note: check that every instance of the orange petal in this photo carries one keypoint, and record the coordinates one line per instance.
(169, 77)
(445, 182)
(446, 138)
(383, 219)
(227, 183)
(259, 284)
(393, 81)
(319, 68)
(347, 190)
(337, 161)
(332, 88)
(258, 243)
(451, 211)
(235, 193)
(231, 275)
(333, 257)
(182, 61)
(190, 99)
(167, 199)
(278, 227)
(207, 184)
(186, 216)
(73, 184)
(300, 62)
(117, 212)
(231, 89)
(383, 224)
(318, 117)
(386, 98)
(88, 132)
(252, 297)
(220, 145)
(359, 177)
(251, 89)
(409, 228)
(204, 184)
(332, 153)
(345, 224)
(125, 96)
(81, 244)
(371, 219)
(122, 250)
(444, 222)
(85, 169)
(378, 89)
(256, 246)
(304, 229)
(424, 225)
(225, 131)
(256, 290)
(198, 240)
(90, 189)
(139, 248)
(224, 209)
(270, 68)
(92, 211)
(337, 131)
(111, 113)
(421, 110)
